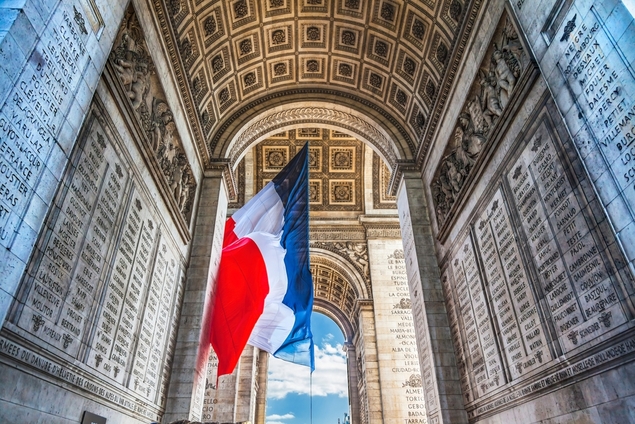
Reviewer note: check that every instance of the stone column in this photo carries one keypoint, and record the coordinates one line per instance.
(246, 393)
(261, 396)
(353, 380)
(439, 369)
(402, 400)
(189, 368)
(367, 346)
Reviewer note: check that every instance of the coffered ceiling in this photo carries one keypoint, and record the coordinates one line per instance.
(390, 59)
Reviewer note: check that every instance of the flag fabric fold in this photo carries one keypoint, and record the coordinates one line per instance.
(264, 290)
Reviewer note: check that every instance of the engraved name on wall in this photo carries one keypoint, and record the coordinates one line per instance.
(602, 83)
(106, 280)
(529, 279)
(31, 119)
(423, 343)
(582, 300)
(402, 387)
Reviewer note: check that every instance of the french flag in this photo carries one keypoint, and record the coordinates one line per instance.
(264, 291)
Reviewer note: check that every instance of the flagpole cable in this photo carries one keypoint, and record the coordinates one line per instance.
(311, 384)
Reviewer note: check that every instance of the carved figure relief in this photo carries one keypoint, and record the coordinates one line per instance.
(489, 95)
(136, 71)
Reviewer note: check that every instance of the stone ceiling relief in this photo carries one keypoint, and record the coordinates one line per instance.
(337, 282)
(299, 115)
(386, 55)
(335, 166)
(332, 286)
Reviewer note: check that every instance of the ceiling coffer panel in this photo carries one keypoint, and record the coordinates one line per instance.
(393, 53)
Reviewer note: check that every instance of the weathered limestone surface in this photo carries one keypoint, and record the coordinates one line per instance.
(190, 367)
(509, 297)
(401, 388)
(440, 378)
(534, 263)
(92, 269)
(50, 62)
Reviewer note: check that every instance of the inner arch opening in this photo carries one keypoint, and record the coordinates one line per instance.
(289, 386)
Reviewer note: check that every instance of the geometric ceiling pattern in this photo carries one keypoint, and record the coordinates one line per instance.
(391, 53)
(332, 286)
(335, 166)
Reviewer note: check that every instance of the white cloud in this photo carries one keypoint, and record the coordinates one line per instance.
(329, 377)
(280, 417)
(274, 422)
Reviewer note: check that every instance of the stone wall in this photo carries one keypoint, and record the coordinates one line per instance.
(95, 233)
(533, 243)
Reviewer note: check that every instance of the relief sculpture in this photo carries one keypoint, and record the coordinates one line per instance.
(356, 252)
(137, 74)
(489, 95)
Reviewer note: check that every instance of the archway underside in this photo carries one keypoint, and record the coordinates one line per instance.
(390, 60)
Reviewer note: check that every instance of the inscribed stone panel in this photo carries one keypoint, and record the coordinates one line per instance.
(105, 281)
(580, 295)
(549, 277)
(513, 301)
(399, 370)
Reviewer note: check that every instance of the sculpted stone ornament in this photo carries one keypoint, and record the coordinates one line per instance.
(403, 304)
(358, 253)
(134, 67)
(486, 102)
(415, 380)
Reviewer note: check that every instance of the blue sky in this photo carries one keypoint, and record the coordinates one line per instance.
(288, 399)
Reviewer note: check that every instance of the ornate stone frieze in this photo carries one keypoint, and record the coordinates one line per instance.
(490, 94)
(136, 72)
(383, 231)
(319, 235)
(355, 253)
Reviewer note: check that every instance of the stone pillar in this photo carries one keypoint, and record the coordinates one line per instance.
(189, 369)
(246, 392)
(221, 400)
(367, 346)
(353, 380)
(401, 392)
(261, 396)
(440, 373)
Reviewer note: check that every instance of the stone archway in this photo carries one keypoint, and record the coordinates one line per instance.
(324, 114)
(339, 290)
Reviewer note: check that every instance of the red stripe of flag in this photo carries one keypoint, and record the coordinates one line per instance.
(240, 296)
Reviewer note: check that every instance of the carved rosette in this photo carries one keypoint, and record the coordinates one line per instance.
(135, 69)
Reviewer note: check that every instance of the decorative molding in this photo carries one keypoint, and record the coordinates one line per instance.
(382, 199)
(336, 234)
(202, 118)
(315, 115)
(355, 253)
(383, 231)
(459, 45)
